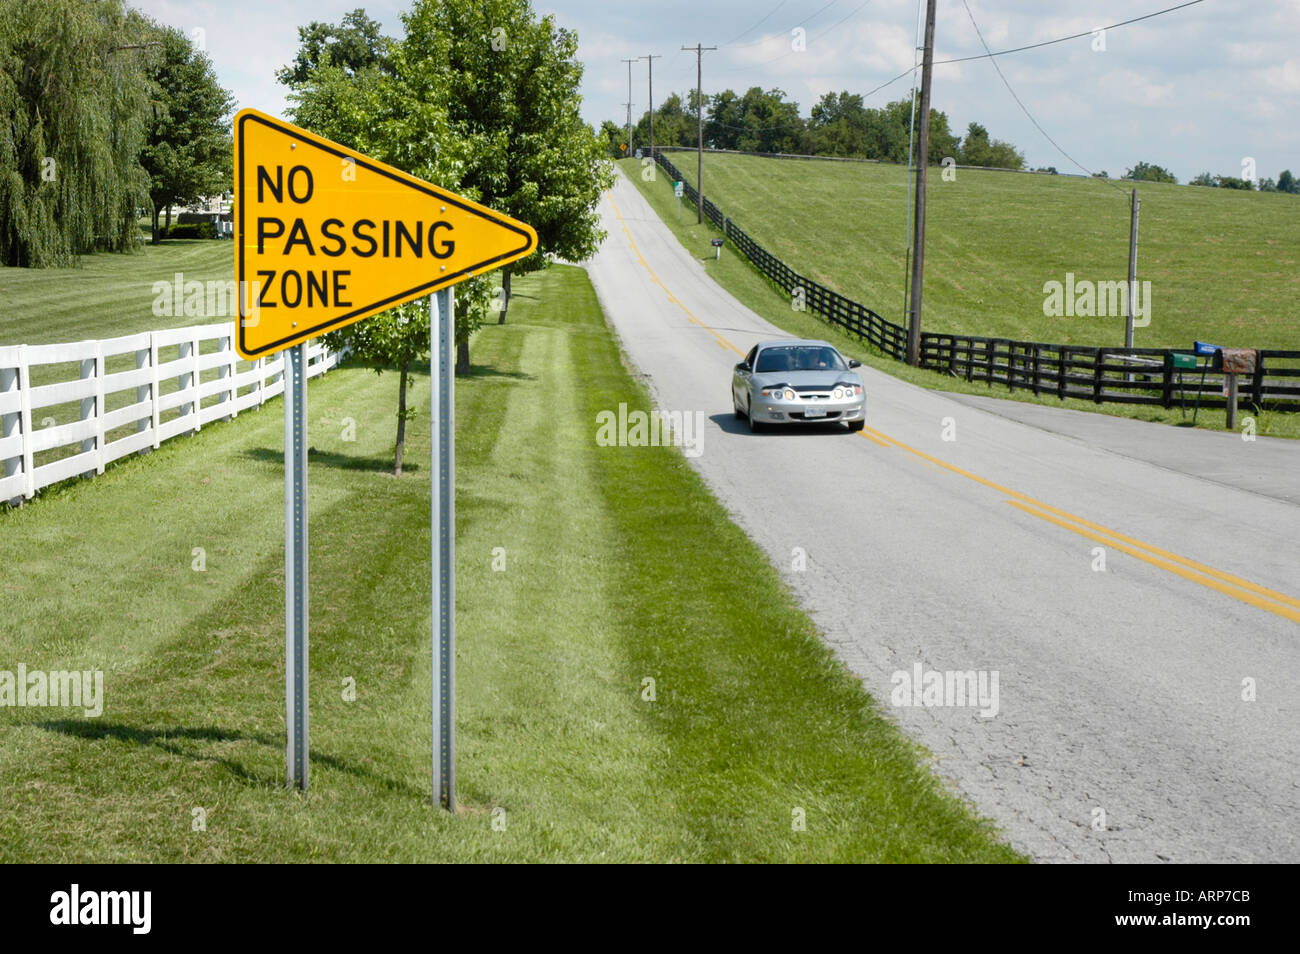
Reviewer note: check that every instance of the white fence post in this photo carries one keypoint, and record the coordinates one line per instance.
(153, 389)
(9, 426)
(195, 378)
(226, 372)
(100, 409)
(25, 421)
(87, 408)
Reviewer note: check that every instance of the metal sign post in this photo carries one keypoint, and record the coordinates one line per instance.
(297, 760)
(442, 405)
(295, 194)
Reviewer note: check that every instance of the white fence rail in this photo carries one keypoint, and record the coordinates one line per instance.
(182, 379)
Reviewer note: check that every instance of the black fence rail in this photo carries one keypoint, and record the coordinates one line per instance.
(1103, 375)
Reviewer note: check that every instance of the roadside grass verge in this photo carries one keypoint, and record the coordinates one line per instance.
(734, 273)
(618, 567)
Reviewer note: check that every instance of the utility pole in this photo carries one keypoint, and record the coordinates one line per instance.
(922, 164)
(699, 130)
(629, 104)
(651, 57)
(1132, 267)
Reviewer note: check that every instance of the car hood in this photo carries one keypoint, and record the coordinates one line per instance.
(805, 380)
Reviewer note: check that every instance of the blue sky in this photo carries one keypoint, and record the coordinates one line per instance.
(1200, 89)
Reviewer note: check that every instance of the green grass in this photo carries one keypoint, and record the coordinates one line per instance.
(619, 567)
(818, 243)
(108, 294)
(1224, 266)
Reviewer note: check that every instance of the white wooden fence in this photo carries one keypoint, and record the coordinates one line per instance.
(161, 397)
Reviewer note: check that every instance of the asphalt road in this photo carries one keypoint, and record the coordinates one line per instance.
(1148, 708)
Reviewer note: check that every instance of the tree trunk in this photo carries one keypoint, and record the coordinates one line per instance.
(505, 294)
(401, 421)
(169, 218)
(156, 237)
(462, 357)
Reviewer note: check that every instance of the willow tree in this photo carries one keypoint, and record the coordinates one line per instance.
(73, 104)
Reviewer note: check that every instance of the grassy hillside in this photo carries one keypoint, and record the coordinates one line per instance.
(619, 567)
(1224, 266)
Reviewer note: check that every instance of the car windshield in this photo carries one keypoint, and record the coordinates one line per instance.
(799, 358)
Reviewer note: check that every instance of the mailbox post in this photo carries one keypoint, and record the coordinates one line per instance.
(1233, 362)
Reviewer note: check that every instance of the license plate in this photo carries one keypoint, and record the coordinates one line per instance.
(815, 412)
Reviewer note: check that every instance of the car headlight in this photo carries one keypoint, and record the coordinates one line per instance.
(837, 394)
(789, 394)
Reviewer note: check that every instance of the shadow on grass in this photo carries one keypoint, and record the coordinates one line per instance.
(383, 465)
(486, 371)
(170, 741)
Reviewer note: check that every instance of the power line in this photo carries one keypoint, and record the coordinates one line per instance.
(1074, 36)
(1022, 106)
(851, 14)
(755, 26)
(764, 39)
(1034, 46)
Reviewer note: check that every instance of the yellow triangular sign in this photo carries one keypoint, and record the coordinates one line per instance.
(325, 236)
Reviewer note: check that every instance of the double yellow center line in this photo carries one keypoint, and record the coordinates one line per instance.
(1258, 596)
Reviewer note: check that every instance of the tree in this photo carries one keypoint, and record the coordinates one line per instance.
(674, 125)
(613, 137)
(1232, 182)
(943, 143)
(1148, 172)
(978, 150)
(353, 45)
(187, 152)
(511, 85)
(759, 121)
(1204, 179)
(1288, 183)
(72, 124)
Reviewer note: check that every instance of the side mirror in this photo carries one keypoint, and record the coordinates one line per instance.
(742, 366)
(854, 363)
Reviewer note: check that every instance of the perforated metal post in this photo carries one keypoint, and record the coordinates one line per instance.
(442, 330)
(295, 566)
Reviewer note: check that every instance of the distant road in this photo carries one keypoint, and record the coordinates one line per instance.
(1121, 733)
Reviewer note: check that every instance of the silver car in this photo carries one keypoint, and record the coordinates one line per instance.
(798, 382)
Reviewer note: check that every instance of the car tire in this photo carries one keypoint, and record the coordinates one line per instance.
(856, 426)
(754, 426)
(735, 407)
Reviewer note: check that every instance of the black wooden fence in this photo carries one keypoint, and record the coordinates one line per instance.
(1101, 375)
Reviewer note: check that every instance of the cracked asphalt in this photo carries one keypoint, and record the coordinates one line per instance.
(1136, 587)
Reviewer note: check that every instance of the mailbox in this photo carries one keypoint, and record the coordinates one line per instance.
(1235, 360)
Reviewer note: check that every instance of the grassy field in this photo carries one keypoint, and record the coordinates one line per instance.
(619, 567)
(734, 273)
(107, 294)
(1224, 266)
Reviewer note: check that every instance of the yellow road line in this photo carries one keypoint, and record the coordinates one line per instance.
(1226, 583)
(1236, 592)
(1172, 557)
